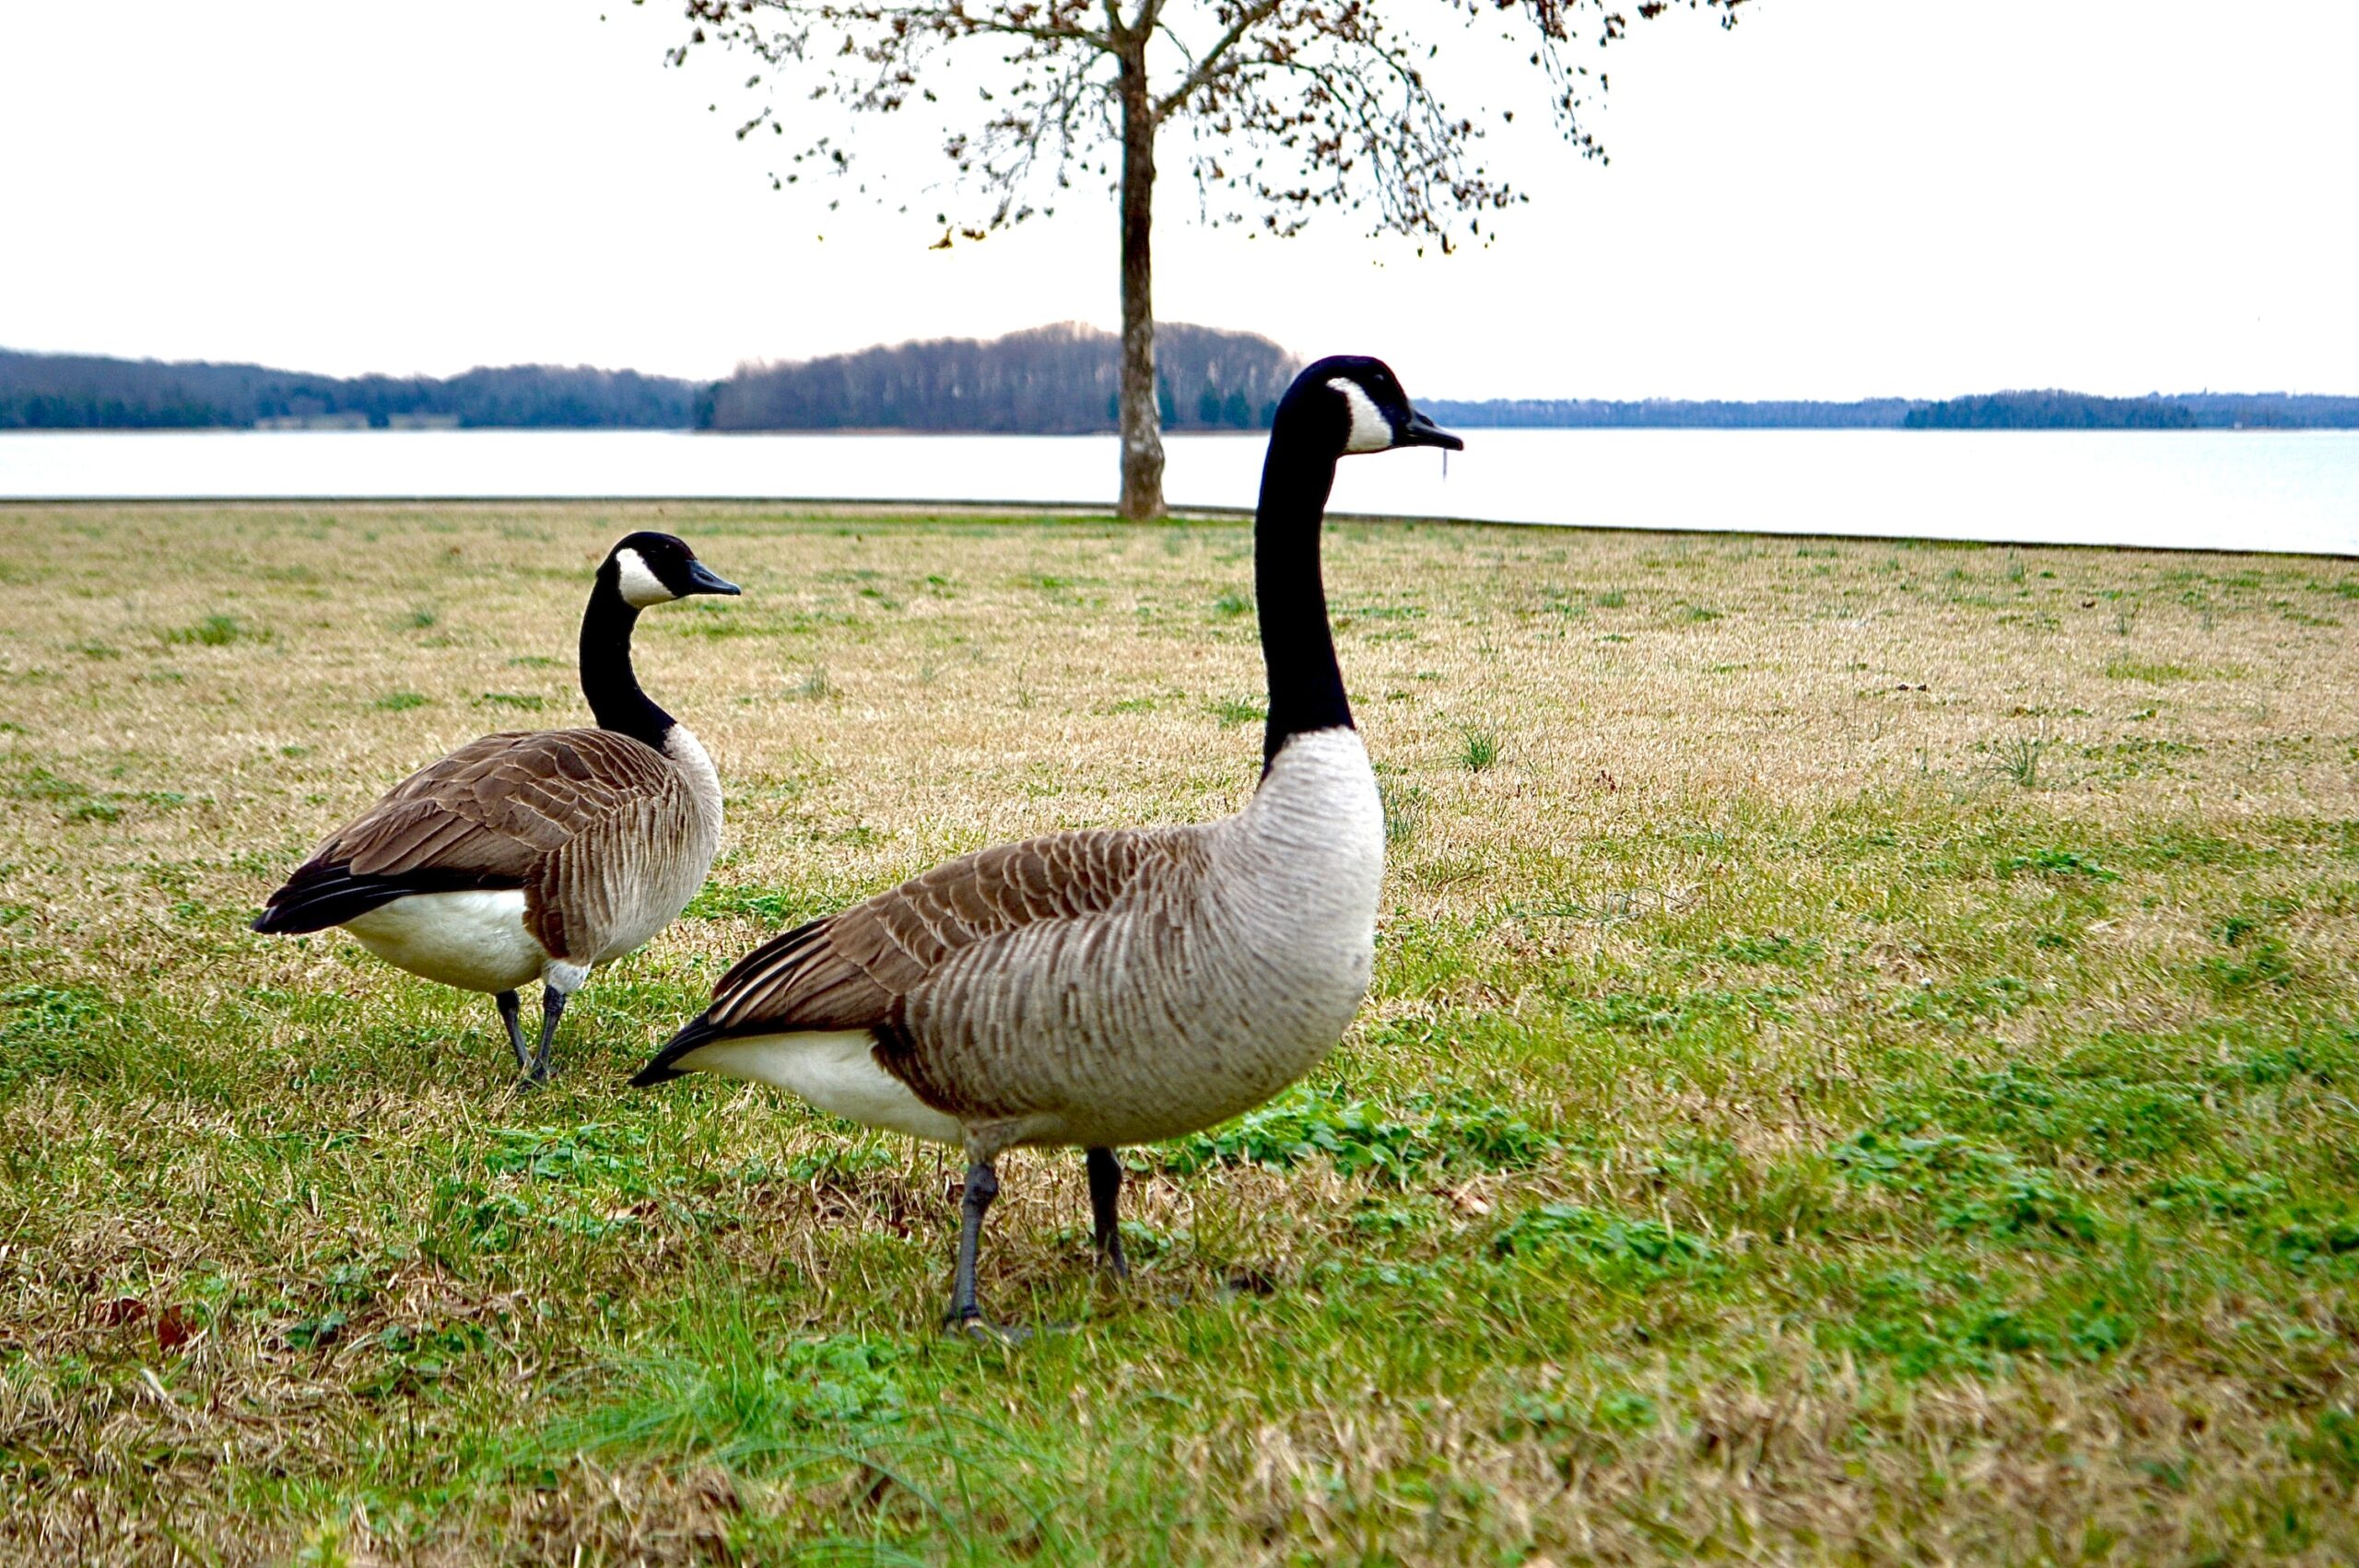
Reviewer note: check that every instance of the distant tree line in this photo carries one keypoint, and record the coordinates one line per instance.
(1057, 380)
(60, 391)
(1054, 379)
(1997, 411)
(2240, 411)
(2186, 411)
(2051, 411)
(1656, 413)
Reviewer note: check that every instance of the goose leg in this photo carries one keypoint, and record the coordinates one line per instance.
(982, 1185)
(510, 1009)
(552, 1009)
(1105, 1191)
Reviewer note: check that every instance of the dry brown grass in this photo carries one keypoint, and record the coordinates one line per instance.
(1773, 857)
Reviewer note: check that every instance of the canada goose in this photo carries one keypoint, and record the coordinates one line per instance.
(1118, 985)
(535, 855)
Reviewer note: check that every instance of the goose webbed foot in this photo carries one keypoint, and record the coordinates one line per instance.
(536, 1071)
(1105, 1197)
(511, 1011)
(984, 1331)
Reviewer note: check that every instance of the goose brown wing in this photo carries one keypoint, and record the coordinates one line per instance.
(852, 969)
(855, 969)
(489, 816)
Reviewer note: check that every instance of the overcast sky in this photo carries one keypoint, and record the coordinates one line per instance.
(1840, 198)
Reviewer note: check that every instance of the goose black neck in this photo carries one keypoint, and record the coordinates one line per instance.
(608, 679)
(1298, 649)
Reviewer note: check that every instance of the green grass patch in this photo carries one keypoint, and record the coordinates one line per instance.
(214, 631)
(1233, 711)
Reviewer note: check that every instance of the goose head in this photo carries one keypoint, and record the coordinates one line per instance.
(651, 568)
(1348, 404)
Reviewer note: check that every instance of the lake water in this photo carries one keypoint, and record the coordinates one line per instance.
(2235, 490)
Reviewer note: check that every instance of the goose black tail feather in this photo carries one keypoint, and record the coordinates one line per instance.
(782, 945)
(319, 897)
(698, 1030)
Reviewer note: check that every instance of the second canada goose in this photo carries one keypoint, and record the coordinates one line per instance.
(524, 857)
(1118, 985)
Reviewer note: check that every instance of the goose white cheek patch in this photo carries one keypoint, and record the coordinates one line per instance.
(640, 586)
(1371, 431)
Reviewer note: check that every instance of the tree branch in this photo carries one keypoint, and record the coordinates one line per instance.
(1207, 67)
(961, 23)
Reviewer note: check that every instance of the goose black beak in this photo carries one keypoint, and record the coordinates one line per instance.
(703, 579)
(1424, 432)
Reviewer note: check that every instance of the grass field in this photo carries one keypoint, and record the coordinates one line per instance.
(1861, 1065)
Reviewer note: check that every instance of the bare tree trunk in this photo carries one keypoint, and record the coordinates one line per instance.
(1141, 423)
